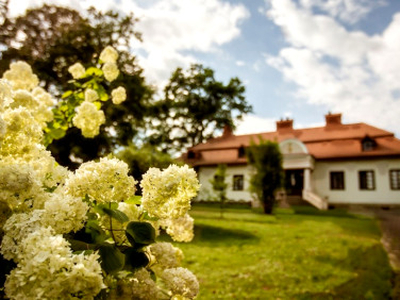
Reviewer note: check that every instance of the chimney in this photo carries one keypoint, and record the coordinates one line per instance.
(284, 124)
(227, 131)
(333, 119)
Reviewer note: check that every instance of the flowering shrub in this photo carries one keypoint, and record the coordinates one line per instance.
(84, 234)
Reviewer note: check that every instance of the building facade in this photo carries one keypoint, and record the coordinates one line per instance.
(330, 165)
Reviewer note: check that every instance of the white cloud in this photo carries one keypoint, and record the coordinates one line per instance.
(349, 11)
(170, 28)
(319, 32)
(253, 124)
(347, 71)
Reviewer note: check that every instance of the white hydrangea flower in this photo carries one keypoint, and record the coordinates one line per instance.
(3, 128)
(25, 99)
(19, 184)
(181, 282)
(21, 76)
(110, 71)
(89, 119)
(48, 270)
(5, 94)
(109, 54)
(64, 213)
(118, 95)
(180, 229)
(47, 170)
(104, 181)
(166, 255)
(140, 286)
(23, 132)
(91, 95)
(16, 229)
(15, 177)
(43, 97)
(77, 71)
(167, 194)
(39, 110)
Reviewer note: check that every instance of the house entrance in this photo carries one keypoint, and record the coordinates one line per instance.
(294, 182)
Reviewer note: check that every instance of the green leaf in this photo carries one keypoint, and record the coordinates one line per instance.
(103, 96)
(140, 233)
(147, 217)
(96, 232)
(100, 207)
(112, 260)
(98, 104)
(134, 200)
(66, 94)
(94, 71)
(135, 259)
(116, 214)
(57, 133)
(81, 246)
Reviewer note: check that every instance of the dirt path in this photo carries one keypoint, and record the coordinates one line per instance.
(389, 221)
(390, 225)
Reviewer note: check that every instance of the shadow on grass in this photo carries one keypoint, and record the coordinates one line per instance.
(372, 280)
(218, 235)
(238, 216)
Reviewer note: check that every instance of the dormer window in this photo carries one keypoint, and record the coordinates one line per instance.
(191, 155)
(241, 152)
(368, 144)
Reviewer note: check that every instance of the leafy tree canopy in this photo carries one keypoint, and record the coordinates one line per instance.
(195, 106)
(266, 159)
(52, 38)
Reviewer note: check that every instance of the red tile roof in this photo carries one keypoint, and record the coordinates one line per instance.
(333, 141)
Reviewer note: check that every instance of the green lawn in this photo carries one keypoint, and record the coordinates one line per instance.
(298, 253)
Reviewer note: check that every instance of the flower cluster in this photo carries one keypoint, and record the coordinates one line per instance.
(77, 71)
(73, 235)
(103, 181)
(167, 194)
(109, 57)
(88, 115)
(89, 119)
(48, 269)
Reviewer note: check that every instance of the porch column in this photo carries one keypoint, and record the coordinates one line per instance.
(307, 179)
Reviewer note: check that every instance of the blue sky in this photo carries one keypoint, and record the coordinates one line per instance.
(297, 58)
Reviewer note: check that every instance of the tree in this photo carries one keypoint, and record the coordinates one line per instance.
(52, 38)
(195, 106)
(3, 10)
(219, 186)
(268, 176)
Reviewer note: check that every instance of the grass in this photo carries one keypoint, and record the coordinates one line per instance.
(298, 253)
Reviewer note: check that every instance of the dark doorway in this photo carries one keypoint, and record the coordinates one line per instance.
(294, 182)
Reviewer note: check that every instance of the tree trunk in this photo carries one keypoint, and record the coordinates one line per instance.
(268, 204)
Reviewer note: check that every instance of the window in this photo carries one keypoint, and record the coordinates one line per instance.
(367, 180)
(368, 144)
(191, 155)
(238, 182)
(241, 152)
(337, 180)
(395, 179)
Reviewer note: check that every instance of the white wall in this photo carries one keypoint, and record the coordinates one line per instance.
(320, 182)
(382, 194)
(207, 173)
